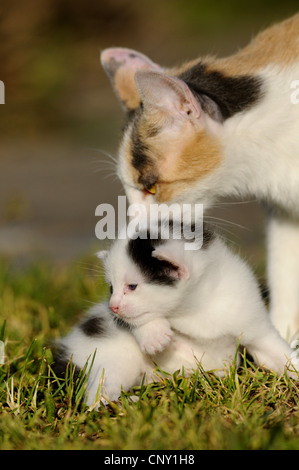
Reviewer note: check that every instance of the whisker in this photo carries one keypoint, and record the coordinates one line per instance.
(106, 153)
(92, 267)
(225, 233)
(90, 302)
(104, 162)
(226, 222)
(103, 165)
(234, 203)
(107, 163)
(227, 239)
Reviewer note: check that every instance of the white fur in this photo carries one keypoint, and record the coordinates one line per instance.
(283, 274)
(261, 158)
(261, 145)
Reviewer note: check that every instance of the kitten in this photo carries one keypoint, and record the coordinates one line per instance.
(220, 127)
(177, 306)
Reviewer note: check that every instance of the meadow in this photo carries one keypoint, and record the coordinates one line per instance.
(248, 409)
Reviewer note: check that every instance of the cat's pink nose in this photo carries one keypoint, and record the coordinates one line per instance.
(114, 308)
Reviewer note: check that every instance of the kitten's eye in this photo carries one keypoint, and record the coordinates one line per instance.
(152, 189)
(111, 289)
(132, 286)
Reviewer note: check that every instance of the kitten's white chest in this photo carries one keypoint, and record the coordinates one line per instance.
(199, 326)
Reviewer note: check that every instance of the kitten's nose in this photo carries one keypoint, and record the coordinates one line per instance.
(114, 308)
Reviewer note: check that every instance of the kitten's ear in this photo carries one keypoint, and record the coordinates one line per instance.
(120, 64)
(179, 270)
(173, 96)
(102, 255)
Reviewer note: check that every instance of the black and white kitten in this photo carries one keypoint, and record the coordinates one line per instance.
(175, 308)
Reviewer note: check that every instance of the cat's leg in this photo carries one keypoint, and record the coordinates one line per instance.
(270, 350)
(220, 354)
(153, 336)
(105, 383)
(283, 274)
(118, 365)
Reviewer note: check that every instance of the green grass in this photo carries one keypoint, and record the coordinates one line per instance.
(247, 409)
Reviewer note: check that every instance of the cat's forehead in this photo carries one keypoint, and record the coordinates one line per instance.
(154, 271)
(119, 265)
(131, 260)
(118, 257)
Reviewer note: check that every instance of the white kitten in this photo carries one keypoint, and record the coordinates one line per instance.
(210, 295)
(176, 308)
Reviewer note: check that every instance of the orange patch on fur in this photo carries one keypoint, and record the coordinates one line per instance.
(198, 157)
(125, 85)
(278, 44)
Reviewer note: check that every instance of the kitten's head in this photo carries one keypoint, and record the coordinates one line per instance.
(147, 278)
(170, 142)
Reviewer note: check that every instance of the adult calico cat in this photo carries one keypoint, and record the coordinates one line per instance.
(220, 127)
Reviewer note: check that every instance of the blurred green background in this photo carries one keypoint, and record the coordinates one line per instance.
(60, 112)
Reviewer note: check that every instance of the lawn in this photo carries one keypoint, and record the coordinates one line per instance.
(247, 409)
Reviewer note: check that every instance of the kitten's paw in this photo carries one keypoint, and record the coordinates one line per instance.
(294, 359)
(154, 336)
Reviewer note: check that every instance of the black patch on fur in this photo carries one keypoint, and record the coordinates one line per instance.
(93, 326)
(265, 291)
(154, 270)
(207, 237)
(139, 149)
(62, 361)
(121, 324)
(158, 271)
(129, 118)
(140, 159)
(231, 94)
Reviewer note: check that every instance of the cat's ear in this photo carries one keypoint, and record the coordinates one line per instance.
(102, 255)
(159, 90)
(120, 64)
(178, 269)
(173, 96)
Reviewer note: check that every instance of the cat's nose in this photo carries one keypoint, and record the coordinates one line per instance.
(114, 308)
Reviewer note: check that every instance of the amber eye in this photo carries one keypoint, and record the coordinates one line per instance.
(152, 189)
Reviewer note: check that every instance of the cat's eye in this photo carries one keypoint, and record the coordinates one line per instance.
(132, 286)
(152, 189)
(111, 289)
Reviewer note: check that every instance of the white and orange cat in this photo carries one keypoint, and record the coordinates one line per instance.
(220, 127)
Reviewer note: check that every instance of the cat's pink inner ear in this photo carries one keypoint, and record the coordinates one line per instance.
(130, 58)
(121, 64)
(158, 90)
(180, 270)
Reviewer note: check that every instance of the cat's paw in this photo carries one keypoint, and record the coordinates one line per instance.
(294, 359)
(154, 336)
